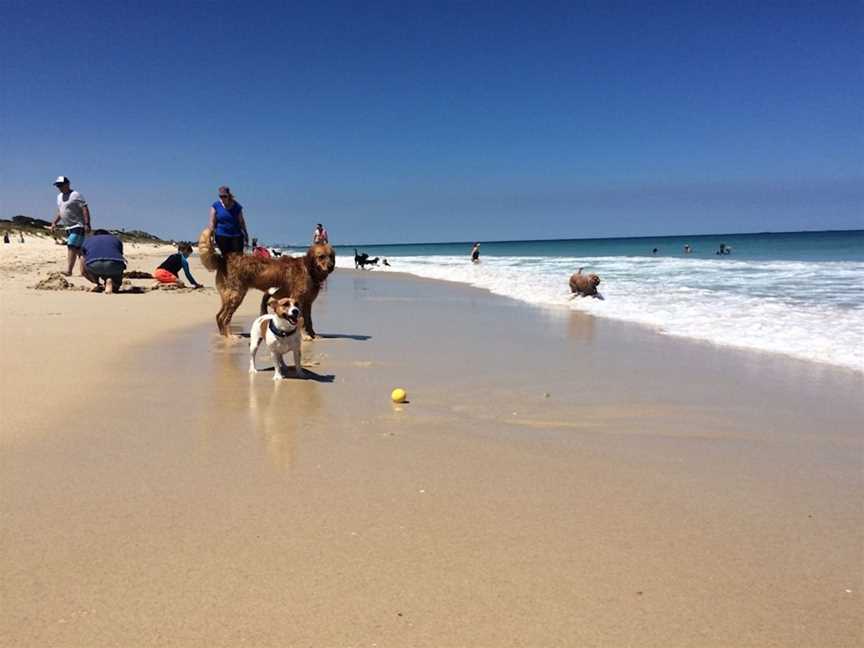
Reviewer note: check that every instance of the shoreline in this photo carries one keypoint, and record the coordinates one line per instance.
(554, 480)
(657, 330)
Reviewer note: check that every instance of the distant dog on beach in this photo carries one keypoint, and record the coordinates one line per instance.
(280, 333)
(584, 285)
(299, 278)
(361, 260)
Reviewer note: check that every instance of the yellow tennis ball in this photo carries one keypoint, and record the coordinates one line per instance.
(398, 395)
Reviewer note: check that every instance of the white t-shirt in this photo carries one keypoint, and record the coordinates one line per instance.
(71, 209)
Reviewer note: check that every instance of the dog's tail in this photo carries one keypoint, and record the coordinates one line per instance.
(210, 258)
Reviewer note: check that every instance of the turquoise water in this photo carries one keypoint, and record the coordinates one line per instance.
(788, 246)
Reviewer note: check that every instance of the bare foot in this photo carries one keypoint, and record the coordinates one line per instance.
(109, 286)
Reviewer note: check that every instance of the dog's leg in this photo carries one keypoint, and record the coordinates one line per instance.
(220, 321)
(254, 343)
(223, 295)
(229, 307)
(278, 364)
(298, 362)
(308, 329)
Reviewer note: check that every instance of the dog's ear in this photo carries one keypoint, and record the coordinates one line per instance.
(272, 302)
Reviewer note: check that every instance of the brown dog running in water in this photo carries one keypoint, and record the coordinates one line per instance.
(297, 277)
(584, 285)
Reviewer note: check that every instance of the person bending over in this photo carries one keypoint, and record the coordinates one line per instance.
(169, 270)
(102, 253)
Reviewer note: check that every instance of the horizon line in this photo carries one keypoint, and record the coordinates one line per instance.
(589, 238)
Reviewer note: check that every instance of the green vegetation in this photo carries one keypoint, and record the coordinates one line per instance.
(39, 227)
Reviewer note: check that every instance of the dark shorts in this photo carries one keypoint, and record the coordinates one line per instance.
(229, 244)
(107, 269)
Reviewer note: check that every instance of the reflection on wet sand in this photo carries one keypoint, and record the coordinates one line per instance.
(581, 327)
(273, 410)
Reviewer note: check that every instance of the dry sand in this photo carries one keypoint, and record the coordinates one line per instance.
(556, 480)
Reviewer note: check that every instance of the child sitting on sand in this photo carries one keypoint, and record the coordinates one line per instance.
(168, 270)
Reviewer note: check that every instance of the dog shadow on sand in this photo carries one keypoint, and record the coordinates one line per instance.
(343, 336)
(307, 375)
(319, 336)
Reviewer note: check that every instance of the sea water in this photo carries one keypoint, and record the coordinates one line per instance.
(800, 294)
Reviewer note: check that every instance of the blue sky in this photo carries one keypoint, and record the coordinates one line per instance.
(396, 122)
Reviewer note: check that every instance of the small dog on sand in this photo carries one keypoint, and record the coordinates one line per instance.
(279, 331)
(584, 285)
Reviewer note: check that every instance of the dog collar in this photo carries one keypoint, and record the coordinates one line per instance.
(275, 330)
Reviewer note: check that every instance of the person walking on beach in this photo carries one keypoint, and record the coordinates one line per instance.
(6, 238)
(102, 258)
(169, 270)
(227, 223)
(74, 215)
(320, 235)
(475, 253)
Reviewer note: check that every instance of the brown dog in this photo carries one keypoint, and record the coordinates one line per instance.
(585, 285)
(298, 278)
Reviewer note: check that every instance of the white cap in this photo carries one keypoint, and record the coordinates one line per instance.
(61, 180)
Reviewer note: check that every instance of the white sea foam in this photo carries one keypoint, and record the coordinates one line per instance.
(811, 310)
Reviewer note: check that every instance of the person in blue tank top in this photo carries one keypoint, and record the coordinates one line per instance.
(227, 223)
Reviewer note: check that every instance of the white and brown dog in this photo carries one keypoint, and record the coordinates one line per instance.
(279, 330)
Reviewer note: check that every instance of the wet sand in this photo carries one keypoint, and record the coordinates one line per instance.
(555, 480)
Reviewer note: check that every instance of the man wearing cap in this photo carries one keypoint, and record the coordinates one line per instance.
(74, 215)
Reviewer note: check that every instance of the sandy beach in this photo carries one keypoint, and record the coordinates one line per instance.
(555, 479)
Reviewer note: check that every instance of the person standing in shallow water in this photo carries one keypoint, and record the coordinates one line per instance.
(228, 224)
(475, 253)
(320, 235)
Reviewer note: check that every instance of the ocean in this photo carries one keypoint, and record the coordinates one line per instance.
(799, 294)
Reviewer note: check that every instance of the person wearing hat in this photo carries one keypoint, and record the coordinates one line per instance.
(74, 215)
(227, 223)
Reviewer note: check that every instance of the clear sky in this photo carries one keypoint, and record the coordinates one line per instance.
(401, 122)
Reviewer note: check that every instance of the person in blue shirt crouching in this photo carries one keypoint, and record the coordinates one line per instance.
(103, 261)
